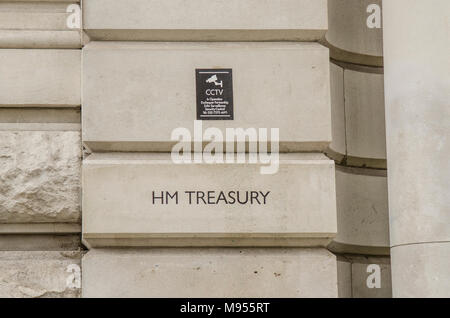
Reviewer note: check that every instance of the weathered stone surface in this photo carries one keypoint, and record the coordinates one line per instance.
(40, 236)
(225, 272)
(358, 122)
(418, 145)
(362, 210)
(40, 176)
(23, 116)
(421, 270)
(39, 274)
(40, 24)
(136, 94)
(417, 85)
(40, 242)
(205, 20)
(119, 209)
(364, 114)
(354, 273)
(33, 77)
(37, 39)
(350, 38)
(338, 143)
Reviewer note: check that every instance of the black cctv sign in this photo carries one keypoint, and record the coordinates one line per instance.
(214, 94)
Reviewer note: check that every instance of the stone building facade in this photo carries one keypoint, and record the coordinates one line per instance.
(93, 204)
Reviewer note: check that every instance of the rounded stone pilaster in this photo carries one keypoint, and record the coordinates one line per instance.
(359, 145)
(417, 89)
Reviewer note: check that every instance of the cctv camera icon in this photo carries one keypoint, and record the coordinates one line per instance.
(213, 79)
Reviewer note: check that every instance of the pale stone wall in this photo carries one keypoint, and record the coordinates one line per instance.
(218, 272)
(416, 46)
(136, 93)
(40, 150)
(99, 102)
(145, 72)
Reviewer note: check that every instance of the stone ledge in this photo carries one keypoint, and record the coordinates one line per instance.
(40, 127)
(344, 56)
(39, 39)
(358, 67)
(356, 162)
(36, 115)
(341, 248)
(40, 242)
(39, 24)
(71, 1)
(39, 228)
(99, 240)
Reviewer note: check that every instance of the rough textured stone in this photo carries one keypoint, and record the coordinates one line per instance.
(39, 176)
(218, 272)
(38, 274)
